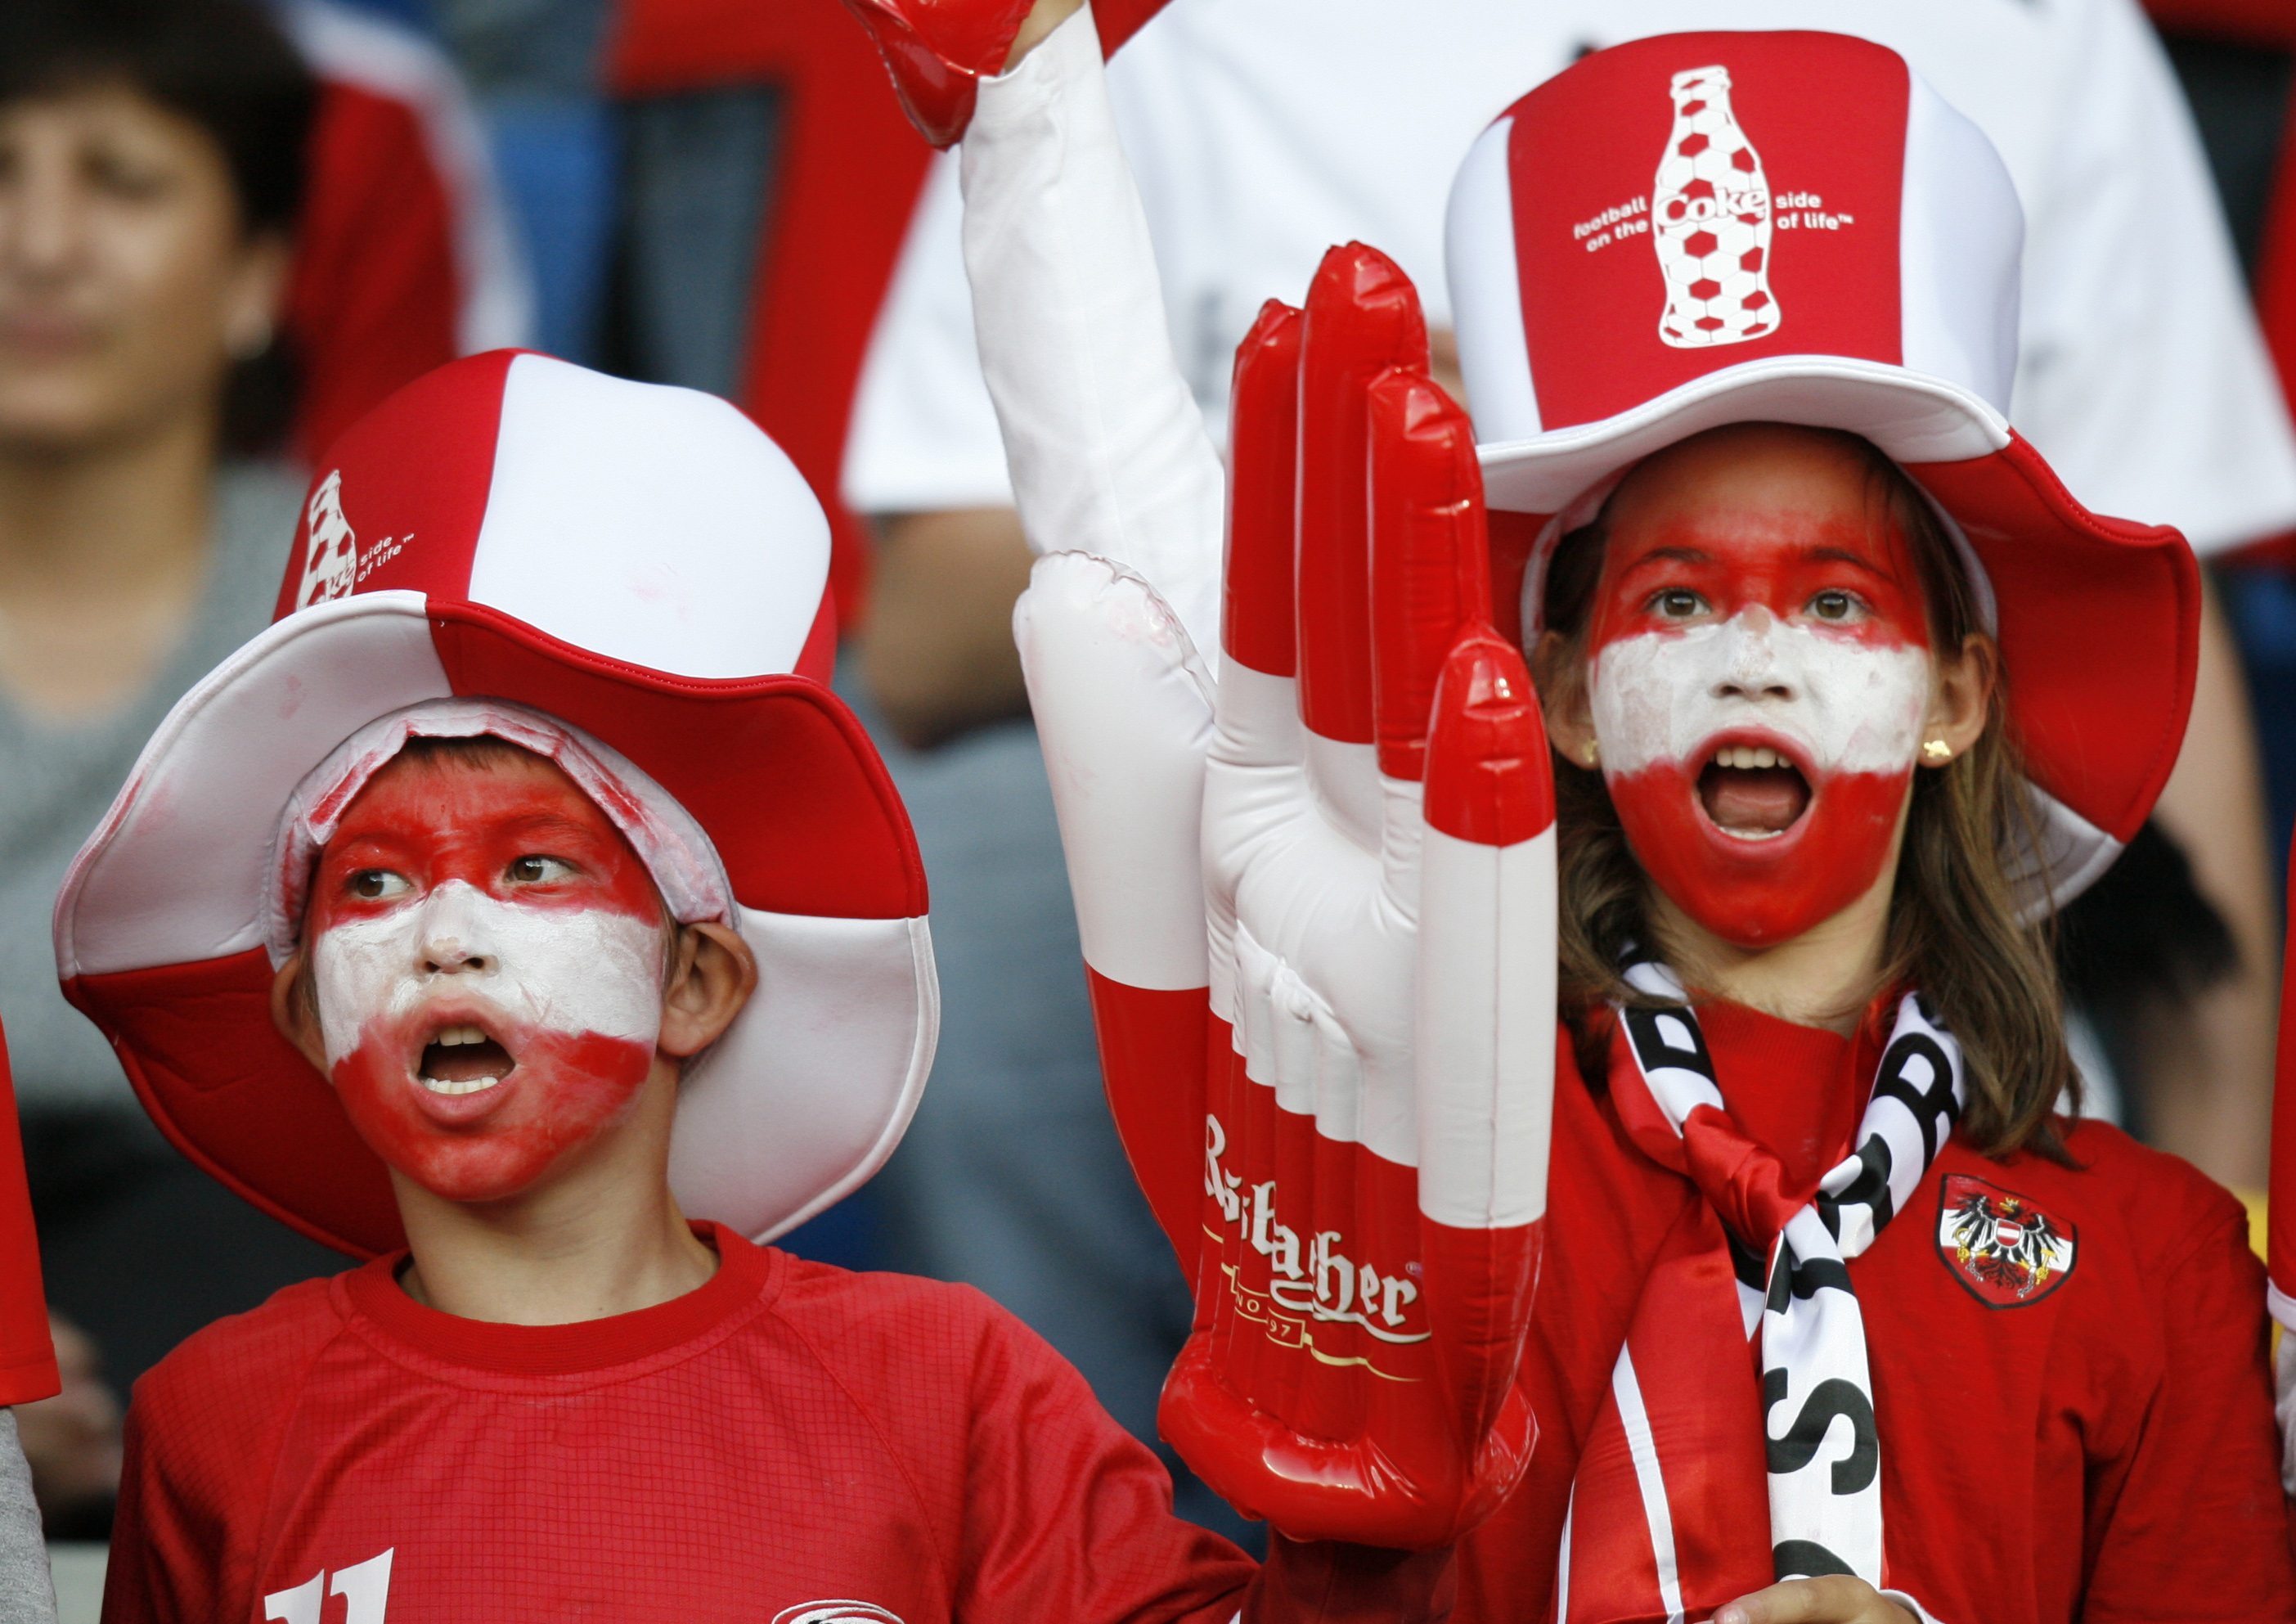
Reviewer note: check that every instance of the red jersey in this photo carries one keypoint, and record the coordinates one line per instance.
(788, 1442)
(27, 1357)
(2092, 1439)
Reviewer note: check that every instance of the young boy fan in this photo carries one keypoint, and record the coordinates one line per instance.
(521, 911)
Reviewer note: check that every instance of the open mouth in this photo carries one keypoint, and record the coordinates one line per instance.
(1752, 792)
(462, 1059)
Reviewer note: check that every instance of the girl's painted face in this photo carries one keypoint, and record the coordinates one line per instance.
(486, 951)
(1759, 676)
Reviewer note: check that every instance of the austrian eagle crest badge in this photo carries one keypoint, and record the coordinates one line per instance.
(2004, 1249)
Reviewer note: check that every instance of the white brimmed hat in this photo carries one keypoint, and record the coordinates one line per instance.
(640, 563)
(1700, 229)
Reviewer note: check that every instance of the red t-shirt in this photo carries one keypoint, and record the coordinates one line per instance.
(27, 1358)
(788, 1437)
(2100, 1447)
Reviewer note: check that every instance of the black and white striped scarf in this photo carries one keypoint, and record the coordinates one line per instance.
(1823, 1443)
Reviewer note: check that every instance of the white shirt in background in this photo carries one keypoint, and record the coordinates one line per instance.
(1263, 131)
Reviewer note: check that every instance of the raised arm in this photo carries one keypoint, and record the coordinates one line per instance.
(1315, 896)
(1316, 905)
(1107, 448)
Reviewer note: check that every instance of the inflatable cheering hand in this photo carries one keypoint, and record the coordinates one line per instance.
(1317, 904)
(939, 50)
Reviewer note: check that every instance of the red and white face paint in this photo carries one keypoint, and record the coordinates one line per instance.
(1759, 682)
(487, 948)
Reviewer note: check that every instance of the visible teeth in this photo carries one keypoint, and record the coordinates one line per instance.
(1751, 834)
(454, 1036)
(1747, 756)
(446, 1085)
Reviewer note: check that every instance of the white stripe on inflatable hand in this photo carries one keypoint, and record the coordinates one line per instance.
(1485, 1029)
(1124, 710)
(1256, 758)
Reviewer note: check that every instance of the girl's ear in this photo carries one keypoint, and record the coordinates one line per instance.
(1562, 684)
(712, 973)
(1961, 699)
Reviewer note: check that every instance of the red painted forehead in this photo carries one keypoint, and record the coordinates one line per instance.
(445, 815)
(1771, 518)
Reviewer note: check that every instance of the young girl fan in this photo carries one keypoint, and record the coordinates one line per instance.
(1837, 1317)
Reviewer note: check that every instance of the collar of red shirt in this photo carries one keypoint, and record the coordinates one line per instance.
(746, 1276)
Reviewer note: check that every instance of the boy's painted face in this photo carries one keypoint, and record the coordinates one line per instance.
(486, 951)
(1759, 671)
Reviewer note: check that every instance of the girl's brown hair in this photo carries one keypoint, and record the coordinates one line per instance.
(1955, 929)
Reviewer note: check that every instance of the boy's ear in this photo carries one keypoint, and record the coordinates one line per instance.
(295, 1010)
(712, 973)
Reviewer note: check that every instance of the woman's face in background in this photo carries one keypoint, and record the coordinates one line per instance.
(128, 282)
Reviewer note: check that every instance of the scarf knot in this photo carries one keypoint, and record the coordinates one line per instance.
(1647, 1534)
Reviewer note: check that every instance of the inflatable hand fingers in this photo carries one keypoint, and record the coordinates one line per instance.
(1124, 708)
(1483, 1033)
(1378, 862)
(939, 50)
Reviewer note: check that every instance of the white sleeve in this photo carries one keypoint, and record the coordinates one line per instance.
(28, 1594)
(2283, 1384)
(1105, 443)
(924, 437)
(2143, 378)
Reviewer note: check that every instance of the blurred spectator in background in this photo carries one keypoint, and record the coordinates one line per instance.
(158, 311)
(405, 257)
(532, 66)
(1262, 131)
(2237, 60)
(715, 193)
(769, 182)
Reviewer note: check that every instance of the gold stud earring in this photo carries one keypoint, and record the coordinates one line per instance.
(1936, 751)
(1594, 754)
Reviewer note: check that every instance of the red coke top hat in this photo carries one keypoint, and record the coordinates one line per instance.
(1700, 229)
(638, 562)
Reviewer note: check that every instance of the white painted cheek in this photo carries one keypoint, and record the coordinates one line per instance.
(356, 968)
(1848, 706)
(589, 972)
(1868, 705)
(552, 969)
(1648, 693)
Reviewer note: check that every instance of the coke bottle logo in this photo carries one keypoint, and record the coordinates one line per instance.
(331, 556)
(1710, 212)
(334, 563)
